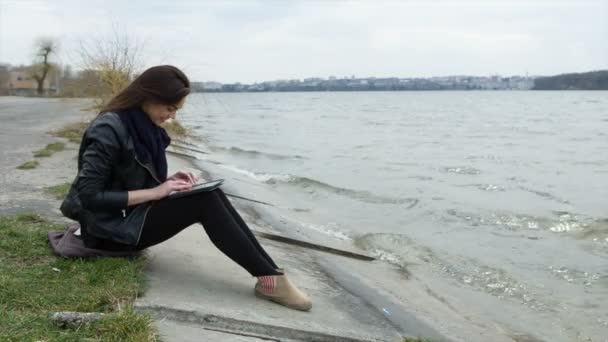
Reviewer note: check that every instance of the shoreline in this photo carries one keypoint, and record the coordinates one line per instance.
(490, 215)
(330, 265)
(320, 275)
(352, 290)
(336, 312)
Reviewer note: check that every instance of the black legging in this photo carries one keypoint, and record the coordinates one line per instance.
(225, 227)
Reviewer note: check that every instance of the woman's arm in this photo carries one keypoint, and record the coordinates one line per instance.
(141, 196)
(101, 152)
(161, 191)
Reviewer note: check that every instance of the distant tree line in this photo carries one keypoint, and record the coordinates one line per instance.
(594, 80)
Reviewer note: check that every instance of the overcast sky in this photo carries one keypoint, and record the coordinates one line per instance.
(247, 41)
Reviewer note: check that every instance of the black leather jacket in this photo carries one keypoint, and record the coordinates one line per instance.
(107, 169)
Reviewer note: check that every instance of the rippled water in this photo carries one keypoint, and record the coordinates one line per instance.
(503, 193)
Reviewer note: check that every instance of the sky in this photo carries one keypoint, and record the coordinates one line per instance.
(250, 41)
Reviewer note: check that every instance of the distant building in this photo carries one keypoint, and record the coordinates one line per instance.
(21, 83)
(520, 83)
(207, 86)
(454, 82)
(196, 86)
(212, 86)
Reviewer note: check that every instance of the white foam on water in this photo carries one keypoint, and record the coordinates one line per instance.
(260, 177)
(329, 230)
(560, 228)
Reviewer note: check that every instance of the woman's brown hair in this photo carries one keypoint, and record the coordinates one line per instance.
(164, 84)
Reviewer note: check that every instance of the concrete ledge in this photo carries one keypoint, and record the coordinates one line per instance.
(241, 327)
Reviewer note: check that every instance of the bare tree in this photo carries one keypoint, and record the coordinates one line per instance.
(45, 47)
(115, 59)
(4, 79)
(108, 65)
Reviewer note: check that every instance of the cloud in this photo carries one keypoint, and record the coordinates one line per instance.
(249, 41)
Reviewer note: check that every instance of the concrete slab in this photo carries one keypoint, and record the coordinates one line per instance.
(25, 122)
(171, 331)
(190, 281)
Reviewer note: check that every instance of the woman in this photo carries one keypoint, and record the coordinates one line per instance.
(120, 194)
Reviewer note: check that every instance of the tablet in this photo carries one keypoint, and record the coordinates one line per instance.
(200, 187)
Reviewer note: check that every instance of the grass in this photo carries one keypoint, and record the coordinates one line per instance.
(175, 129)
(32, 164)
(59, 191)
(49, 150)
(34, 283)
(73, 132)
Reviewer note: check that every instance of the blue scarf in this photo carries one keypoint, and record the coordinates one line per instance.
(149, 140)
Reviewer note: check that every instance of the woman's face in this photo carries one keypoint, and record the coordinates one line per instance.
(159, 113)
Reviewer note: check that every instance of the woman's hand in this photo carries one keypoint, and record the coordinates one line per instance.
(185, 176)
(170, 186)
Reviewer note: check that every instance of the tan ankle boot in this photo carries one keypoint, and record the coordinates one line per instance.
(280, 290)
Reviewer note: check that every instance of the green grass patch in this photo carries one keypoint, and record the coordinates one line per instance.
(125, 325)
(59, 191)
(175, 129)
(34, 283)
(43, 153)
(49, 150)
(32, 164)
(73, 132)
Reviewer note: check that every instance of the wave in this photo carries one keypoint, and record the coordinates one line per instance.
(486, 187)
(545, 194)
(308, 183)
(403, 252)
(421, 178)
(574, 276)
(260, 177)
(362, 195)
(329, 230)
(461, 170)
(255, 154)
(597, 230)
(564, 222)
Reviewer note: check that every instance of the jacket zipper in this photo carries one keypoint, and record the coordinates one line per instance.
(141, 228)
(148, 169)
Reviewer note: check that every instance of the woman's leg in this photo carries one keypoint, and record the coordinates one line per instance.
(245, 228)
(170, 216)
